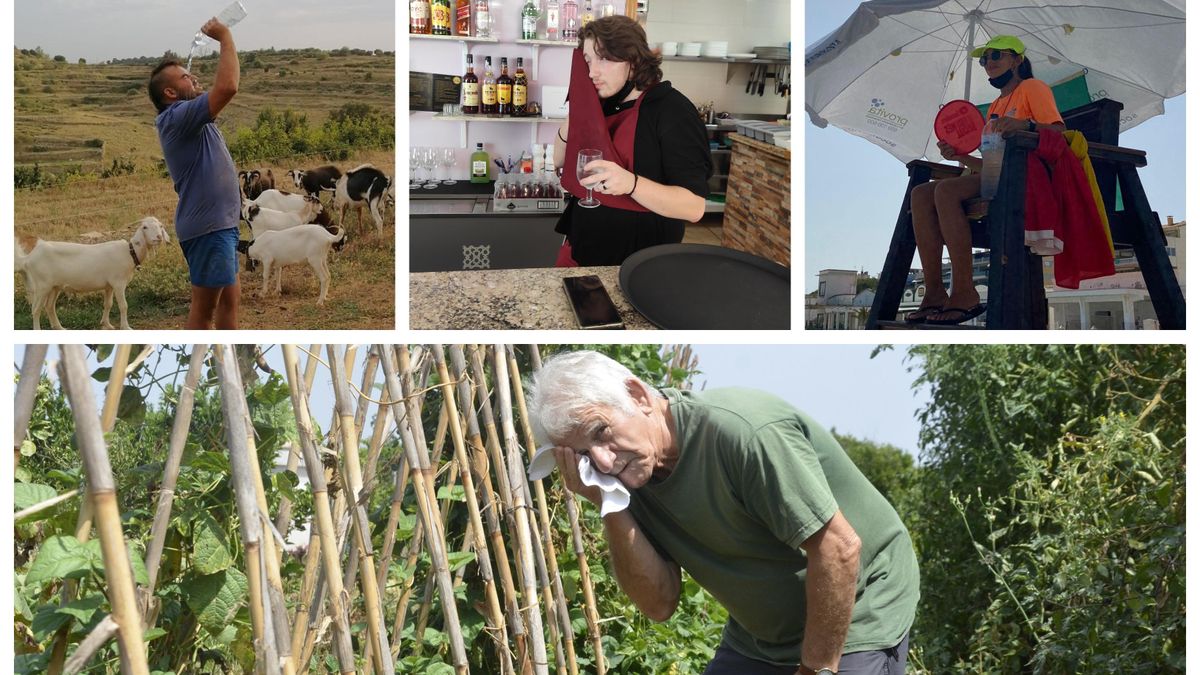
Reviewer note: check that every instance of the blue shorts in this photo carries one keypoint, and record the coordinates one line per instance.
(212, 258)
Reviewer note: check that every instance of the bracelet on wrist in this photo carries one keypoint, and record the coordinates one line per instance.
(560, 136)
(634, 185)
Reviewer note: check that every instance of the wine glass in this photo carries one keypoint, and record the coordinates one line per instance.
(447, 157)
(429, 159)
(414, 164)
(586, 156)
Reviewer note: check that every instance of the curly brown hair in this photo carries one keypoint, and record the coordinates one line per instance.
(620, 38)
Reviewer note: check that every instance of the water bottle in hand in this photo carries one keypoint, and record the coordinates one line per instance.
(229, 16)
(992, 147)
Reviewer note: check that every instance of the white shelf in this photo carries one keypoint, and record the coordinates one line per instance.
(452, 38)
(465, 120)
(722, 59)
(547, 43)
(486, 118)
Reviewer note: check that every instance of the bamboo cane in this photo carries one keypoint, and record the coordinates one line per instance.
(400, 392)
(489, 505)
(271, 553)
(323, 517)
(232, 401)
(312, 562)
(166, 491)
(378, 639)
(591, 614)
(521, 512)
(285, 505)
(31, 376)
(411, 553)
(494, 615)
(554, 590)
(102, 491)
(83, 523)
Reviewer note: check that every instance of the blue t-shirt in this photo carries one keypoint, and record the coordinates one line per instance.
(201, 168)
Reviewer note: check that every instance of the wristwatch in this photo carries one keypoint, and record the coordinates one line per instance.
(805, 670)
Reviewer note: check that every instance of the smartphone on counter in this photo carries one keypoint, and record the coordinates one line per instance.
(593, 307)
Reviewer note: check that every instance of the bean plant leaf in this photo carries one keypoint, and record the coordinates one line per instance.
(47, 620)
(28, 494)
(101, 374)
(459, 558)
(210, 545)
(82, 610)
(60, 557)
(28, 448)
(215, 597)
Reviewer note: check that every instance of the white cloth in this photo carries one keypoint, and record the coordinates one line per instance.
(614, 495)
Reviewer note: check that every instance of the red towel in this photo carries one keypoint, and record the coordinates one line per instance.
(590, 129)
(1060, 214)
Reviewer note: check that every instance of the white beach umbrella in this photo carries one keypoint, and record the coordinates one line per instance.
(886, 71)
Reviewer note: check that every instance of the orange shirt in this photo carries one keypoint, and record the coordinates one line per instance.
(1031, 100)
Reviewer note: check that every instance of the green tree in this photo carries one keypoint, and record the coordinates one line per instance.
(1028, 456)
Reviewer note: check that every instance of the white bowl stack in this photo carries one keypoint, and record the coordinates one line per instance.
(717, 49)
(670, 48)
(689, 49)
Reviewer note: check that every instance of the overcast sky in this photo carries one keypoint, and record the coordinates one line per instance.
(99, 30)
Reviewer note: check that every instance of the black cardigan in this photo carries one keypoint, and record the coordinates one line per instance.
(670, 147)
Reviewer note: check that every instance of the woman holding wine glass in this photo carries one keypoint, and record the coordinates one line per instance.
(639, 148)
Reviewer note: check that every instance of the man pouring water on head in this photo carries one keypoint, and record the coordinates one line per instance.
(206, 218)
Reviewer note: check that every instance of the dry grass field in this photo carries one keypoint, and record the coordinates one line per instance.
(87, 116)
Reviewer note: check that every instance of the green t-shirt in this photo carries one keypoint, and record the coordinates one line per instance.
(754, 480)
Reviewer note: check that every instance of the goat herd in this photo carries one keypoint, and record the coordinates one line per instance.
(285, 229)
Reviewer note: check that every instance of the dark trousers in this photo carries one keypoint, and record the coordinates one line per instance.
(879, 662)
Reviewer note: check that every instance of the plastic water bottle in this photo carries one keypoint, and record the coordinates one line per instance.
(229, 16)
(992, 147)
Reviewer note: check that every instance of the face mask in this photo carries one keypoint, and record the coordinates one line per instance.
(999, 82)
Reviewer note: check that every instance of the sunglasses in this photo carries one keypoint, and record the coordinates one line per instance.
(993, 54)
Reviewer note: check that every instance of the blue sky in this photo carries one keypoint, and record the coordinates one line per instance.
(840, 386)
(854, 188)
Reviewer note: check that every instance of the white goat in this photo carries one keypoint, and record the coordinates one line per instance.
(269, 220)
(303, 243)
(280, 201)
(56, 266)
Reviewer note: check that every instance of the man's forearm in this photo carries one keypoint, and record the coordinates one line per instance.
(229, 71)
(650, 581)
(829, 591)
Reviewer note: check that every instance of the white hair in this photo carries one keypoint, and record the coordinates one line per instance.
(572, 381)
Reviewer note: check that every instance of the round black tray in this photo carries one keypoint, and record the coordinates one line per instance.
(702, 287)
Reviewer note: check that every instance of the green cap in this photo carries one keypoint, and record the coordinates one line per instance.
(1008, 42)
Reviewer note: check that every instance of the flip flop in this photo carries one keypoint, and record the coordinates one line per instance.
(921, 314)
(960, 315)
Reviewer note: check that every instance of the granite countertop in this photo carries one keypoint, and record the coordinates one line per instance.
(528, 299)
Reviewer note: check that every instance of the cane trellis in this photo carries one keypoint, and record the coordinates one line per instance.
(479, 444)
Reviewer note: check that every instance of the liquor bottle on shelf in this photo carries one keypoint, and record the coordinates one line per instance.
(520, 91)
(480, 165)
(440, 17)
(488, 97)
(462, 18)
(607, 9)
(483, 19)
(552, 20)
(470, 89)
(504, 89)
(529, 18)
(418, 17)
(570, 21)
(588, 15)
